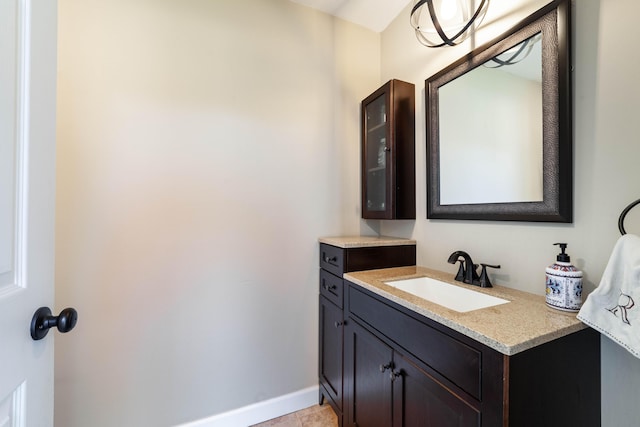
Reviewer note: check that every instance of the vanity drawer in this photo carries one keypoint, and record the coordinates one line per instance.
(343, 260)
(454, 360)
(332, 259)
(331, 287)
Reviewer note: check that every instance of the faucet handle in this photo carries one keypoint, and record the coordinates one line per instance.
(474, 273)
(460, 275)
(484, 281)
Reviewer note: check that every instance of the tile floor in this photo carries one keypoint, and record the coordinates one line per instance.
(314, 416)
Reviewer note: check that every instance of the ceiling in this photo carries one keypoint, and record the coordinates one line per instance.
(373, 14)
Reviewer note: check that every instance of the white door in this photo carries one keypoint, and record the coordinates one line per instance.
(27, 172)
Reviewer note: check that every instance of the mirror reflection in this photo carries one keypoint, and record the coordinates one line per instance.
(493, 150)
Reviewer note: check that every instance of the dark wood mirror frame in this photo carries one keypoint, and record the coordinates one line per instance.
(554, 22)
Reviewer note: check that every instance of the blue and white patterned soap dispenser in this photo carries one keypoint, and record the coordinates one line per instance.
(564, 283)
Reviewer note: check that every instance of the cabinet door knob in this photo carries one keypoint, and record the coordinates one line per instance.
(338, 324)
(395, 374)
(385, 367)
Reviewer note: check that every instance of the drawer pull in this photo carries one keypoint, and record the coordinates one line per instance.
(330, 260)
(329, 287)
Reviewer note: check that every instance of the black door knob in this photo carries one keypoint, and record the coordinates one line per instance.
(43, 320)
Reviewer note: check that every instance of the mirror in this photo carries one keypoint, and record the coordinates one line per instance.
(499, 142)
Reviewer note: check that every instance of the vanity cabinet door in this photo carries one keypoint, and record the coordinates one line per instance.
(387, 389)
(330, 363)
(421, 401)
(369, 363)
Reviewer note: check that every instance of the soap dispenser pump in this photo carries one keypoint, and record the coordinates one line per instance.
(564, 283)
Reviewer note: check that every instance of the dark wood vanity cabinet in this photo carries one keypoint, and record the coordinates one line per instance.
(385, 388)
(388, 152)
(331, 338)
(402, 369)
(334, 262)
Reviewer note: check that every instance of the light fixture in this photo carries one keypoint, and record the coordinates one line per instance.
(446, 22)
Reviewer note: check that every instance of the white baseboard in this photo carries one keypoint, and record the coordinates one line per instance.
(261, 411)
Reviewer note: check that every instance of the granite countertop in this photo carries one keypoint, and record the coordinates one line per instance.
(365, 241)
(525, 322)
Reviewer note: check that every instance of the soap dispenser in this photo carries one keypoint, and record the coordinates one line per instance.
(564, 283)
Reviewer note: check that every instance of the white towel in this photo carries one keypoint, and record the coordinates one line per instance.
(613, 308)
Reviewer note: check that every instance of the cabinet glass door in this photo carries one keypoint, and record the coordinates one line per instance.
(376, 156)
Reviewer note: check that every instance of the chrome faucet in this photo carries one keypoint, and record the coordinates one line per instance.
(468, 271)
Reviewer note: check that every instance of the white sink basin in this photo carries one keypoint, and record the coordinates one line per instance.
(446, 294)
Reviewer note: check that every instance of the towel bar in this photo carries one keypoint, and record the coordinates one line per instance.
(624, 214)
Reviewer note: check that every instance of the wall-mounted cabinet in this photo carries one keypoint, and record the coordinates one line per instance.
(388, 152)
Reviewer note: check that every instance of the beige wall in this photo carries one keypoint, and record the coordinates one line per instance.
(606, 153)
(203, 146)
